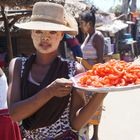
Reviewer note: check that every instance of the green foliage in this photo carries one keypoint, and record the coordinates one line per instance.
(116, 9)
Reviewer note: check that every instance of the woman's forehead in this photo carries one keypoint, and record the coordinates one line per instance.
(47, 30)
(41, 30)
(44, 31)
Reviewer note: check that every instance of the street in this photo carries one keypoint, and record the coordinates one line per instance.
(121, 118)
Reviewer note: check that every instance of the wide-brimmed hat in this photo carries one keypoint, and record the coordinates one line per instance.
(50, 17)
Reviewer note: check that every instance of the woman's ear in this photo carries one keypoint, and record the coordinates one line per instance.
(62, 35)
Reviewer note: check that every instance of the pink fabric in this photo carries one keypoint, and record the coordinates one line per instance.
(9, 130)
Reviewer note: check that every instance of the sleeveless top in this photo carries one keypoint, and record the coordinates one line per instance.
(57, 128)
(88, 50)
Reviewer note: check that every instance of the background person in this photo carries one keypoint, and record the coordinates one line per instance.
(73, 44)
(93, 53)
(9, 130)
(40, 93)
(3, 90)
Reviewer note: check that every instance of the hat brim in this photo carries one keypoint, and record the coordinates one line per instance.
(47, 26)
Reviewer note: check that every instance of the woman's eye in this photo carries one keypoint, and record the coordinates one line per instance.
(53, 32)
(38, 32)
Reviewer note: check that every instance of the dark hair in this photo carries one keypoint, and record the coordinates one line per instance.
(89, 16)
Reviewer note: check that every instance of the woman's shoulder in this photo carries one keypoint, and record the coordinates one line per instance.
(99, 37)
(16, 65)
(74, 66)
(15, 61)
(79, 68)
(99, 34)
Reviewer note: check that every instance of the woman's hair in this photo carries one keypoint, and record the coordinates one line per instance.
(89, 15)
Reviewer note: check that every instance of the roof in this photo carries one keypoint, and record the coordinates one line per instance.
(20, 10)
(74, 7)
(25, 3)
(113, 27)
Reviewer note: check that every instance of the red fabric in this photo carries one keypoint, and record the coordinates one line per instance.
(72, 42)
(2, 59)
(2, 63)
(9, 130)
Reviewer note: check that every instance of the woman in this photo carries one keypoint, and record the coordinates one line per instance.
(40, 93)
(92, 49)
(93, 45)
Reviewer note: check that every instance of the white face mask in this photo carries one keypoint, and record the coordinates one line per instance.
(46, 41)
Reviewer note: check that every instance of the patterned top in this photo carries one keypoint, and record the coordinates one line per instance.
(56, 129)
(88, 50)
(48, 132)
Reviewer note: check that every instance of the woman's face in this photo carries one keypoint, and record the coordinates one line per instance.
(46, 41)
(84, 26)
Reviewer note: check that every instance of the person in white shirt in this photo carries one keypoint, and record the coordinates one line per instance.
(3, 90)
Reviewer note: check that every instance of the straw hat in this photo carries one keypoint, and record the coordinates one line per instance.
(50, 17)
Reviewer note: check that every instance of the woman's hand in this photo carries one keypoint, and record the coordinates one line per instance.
(60, 87)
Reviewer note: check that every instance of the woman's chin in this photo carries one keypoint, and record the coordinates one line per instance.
(47, 51)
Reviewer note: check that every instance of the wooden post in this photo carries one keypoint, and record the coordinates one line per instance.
(7, 33)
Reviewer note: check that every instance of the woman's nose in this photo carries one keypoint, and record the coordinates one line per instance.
(45, 36)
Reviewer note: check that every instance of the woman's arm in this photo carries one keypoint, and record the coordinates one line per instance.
(21, 109)
(82, 112)
(98, 43)
(81, 116)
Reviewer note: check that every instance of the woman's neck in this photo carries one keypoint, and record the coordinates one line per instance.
(45, 59)
(91, 31)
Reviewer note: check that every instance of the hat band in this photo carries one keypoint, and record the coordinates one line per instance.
(35, 18)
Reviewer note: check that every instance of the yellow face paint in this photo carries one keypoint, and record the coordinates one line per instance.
(46, 41)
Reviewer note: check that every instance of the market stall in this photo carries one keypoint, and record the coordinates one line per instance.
(122, 44)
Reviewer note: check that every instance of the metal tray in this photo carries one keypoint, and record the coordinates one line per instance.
(102, 89)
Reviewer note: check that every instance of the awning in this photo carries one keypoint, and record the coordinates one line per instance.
(114, 27)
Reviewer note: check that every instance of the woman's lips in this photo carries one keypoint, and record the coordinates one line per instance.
(45, 45)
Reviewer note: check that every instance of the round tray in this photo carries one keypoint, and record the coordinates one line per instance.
(102, 89)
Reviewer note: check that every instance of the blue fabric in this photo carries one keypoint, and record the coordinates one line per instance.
(76, 50)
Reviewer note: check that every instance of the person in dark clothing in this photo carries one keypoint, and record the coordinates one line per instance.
(40, 92)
